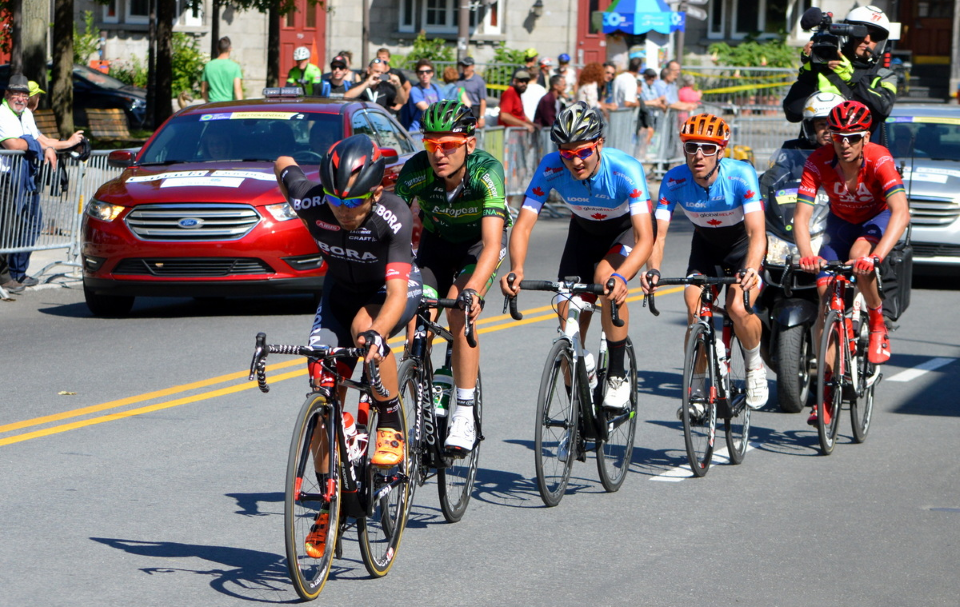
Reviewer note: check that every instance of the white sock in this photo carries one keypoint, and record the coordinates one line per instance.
(751, 358)
(466, 394)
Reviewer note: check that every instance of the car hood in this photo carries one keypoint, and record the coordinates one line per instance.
(252, 183)
(931, 178)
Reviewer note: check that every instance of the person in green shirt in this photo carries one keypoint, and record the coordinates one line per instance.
(222, 78)
(304, 73)
(460, 190)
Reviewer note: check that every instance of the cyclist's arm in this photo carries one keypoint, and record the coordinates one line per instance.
(755, 224)
(656, 252)
(491, 229)
(519, 240)
(801, 228)
(899, 219)
(279, 166)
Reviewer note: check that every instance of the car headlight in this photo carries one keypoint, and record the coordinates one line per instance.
(778, 249)
(282, 211)
(103, 210)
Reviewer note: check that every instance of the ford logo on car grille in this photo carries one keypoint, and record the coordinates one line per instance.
(190, 223)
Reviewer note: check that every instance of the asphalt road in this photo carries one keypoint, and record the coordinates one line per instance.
(139, 467)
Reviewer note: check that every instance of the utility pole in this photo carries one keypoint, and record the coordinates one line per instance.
(365, 35)
(463, 31)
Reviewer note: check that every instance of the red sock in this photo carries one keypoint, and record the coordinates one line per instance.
(876, 318)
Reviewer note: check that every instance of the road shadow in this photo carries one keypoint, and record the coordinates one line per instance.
(185, 307)
(249, 503)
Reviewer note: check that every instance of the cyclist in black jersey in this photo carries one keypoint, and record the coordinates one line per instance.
(460, 192)
(364, 235)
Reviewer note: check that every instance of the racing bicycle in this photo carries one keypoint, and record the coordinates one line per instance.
(714, 377)
(347, 485)
(455, 473)
(571, 418)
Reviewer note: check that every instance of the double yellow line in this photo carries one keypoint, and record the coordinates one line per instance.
(299, 371)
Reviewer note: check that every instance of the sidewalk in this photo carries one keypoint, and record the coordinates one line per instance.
(56, 277)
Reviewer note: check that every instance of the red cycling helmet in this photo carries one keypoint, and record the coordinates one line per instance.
(849, 117)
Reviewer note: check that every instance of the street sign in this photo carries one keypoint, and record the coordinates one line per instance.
(696, 13)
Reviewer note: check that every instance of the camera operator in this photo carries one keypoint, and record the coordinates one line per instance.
(855, 73)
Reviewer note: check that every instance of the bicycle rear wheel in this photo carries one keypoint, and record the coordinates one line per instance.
(830, 389)
(861, 409)
(388, 490)
(556, 431)
(413, 392)
(737, 425)
(699, 410)
(455, 482)
(613, 454)
(304, 499)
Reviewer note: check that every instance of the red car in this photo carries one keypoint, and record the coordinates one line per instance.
(198, 211)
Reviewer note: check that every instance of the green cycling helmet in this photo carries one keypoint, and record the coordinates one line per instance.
(449, 116)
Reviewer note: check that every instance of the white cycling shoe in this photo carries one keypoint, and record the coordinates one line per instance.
(617, 393)
(757, 390)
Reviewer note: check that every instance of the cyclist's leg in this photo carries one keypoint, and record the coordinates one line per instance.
(873, 230)
(581, 253)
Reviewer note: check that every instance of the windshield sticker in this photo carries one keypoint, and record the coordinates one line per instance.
(924, 119)
(208, 117)
(249, 116)
(221, 182)
(167, 176)
(246, 175)
(931, 174)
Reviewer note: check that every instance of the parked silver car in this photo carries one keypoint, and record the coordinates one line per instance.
(925, 141)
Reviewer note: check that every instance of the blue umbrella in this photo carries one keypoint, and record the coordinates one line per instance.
(641, 16)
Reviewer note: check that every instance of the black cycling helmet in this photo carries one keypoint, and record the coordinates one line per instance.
(578, 122)
(81, 151)
(449, 116)
(353, 155)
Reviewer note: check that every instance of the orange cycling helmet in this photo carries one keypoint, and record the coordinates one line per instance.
(849, 117)
(705, 127)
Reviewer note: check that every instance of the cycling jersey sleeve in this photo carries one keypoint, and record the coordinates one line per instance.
(809, 182)
(412, 176)
(495, 200)
(888, 176)
(749, 190)
(667, 198)
(299, 188)
(539, 189)
(634, 183)
(398, 221)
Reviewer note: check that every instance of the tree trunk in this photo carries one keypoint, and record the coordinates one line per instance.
(16, 37)
(166, 13)
(61, 91)
(273, 45)
(214, 28)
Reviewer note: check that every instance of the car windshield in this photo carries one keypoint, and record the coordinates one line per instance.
(98, 78)
(247, 136)
(924, 137)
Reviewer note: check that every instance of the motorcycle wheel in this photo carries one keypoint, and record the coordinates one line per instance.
(794, 358)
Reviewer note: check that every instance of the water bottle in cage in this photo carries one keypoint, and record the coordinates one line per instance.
(591, 366)
(352, 437)
(442, 389)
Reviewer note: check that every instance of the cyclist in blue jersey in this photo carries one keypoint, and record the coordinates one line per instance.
(611, 231)
(721, 197)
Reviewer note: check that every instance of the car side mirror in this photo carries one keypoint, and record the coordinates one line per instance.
(121, 158)
(389, 153)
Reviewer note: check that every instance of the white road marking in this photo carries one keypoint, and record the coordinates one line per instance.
(922, 368)
(675, 475)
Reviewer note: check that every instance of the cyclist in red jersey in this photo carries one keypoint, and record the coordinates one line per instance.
(868, 212)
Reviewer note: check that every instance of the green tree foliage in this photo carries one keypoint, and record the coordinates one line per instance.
(505, 62)
(188, 62)
(87, 43)
(751, 53)
(425, 48)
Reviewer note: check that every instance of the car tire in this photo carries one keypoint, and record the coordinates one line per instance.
(107, 306)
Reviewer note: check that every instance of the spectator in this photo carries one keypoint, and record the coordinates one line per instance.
(511, 106)
(23, 219)
(529, 62)
(338, 82)
(217, 144)
(648, 93)
(687, 93)
(475, 89)
(551, 103)
(222, 78)
(450, 89)
(353, 76)
(531, 97)
(606, 92)
(383, 54)
(379, 87)
(304, 74)
(667, 88)
(569, 75)
(422, 96)
(543, 76)
(588, 86)
(625, 85)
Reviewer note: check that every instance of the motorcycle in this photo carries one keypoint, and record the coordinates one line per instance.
(788, 344)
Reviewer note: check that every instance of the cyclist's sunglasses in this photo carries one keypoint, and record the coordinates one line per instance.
(707, 149)
(351, 202)
(447, 144)
(852, 138)
(582, 153)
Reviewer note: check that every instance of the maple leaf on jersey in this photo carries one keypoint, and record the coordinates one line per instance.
(598, 216)
(714, 222)
(635, 193)
(749, 194)
(538, 191)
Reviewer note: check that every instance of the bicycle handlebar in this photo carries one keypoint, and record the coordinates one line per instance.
(697, 280)
(569, 286)
(469, 329)
(837, 267)
(258, 366)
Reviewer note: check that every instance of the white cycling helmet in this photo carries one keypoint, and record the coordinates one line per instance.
(818, 105)
(301, 53)
(875, 19)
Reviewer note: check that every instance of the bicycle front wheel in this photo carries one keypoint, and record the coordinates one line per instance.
(305, 499)
(830, 380)
(455, 482)
(556, 431)
(737, 425)
(388, 489)
(699, 410)
(613, 454)
(414, 391)
(861, 409)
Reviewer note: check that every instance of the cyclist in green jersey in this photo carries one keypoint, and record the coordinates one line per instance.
(460, 190)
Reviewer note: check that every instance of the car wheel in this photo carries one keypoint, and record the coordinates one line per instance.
(107, 306)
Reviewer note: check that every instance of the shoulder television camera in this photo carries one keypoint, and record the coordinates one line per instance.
(828, 37)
